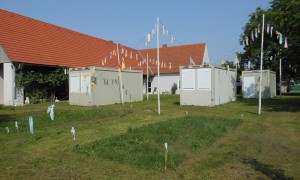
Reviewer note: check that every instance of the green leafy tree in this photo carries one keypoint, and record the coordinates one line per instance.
(284, 17)
(40, 82)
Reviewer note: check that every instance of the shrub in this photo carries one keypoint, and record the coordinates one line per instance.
(174, 88)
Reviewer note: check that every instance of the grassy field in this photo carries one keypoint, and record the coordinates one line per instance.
(126, 142)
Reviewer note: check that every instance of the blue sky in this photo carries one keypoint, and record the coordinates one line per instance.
(217, 22)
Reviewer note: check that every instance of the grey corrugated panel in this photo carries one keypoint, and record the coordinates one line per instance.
(107, 87)
(222, 90)
(268, 82)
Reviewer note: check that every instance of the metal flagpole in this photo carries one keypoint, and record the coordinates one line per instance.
(158, 65)
(280, 76)
(147, 81)
(261, 64)
(120, 76)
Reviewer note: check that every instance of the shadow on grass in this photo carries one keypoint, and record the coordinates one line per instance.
(7, 118)
(177, 103)
(266, 169)
(284, 104)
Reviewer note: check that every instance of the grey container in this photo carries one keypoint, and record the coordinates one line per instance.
(103, 86)
(206, 85)
(250, 85)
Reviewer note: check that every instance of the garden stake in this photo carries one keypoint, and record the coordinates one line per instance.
(18, 132)
(166, 156)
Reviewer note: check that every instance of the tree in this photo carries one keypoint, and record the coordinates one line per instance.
(284, 17)
(40, 82)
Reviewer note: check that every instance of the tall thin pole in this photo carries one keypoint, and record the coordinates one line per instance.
(147, 81)
(158, 65)
(261, 63)
(280, 76)
(120, 76)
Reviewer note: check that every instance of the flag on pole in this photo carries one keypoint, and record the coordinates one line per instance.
(123, 65)
(256, 35)
(119, 71)
(280, 38)
(285, 43)
(192, 61)
(247, 40)
(172, 39)
(148, 37)
(236, 61)
(271, 32)
(163, 30)
(277, 34)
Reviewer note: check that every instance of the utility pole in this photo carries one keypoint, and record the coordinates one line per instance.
(120, 76)
(158, 65)
(147, 81)
(261, 64)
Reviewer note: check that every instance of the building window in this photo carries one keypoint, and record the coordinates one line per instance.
(204, 79)
(188, 79)
(149, 87)
(75, 84)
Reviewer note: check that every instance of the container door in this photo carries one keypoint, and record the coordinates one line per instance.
(249, 87)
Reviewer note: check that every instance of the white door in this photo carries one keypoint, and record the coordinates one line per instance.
(249, 87)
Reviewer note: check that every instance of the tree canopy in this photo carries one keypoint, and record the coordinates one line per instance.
(283, 18)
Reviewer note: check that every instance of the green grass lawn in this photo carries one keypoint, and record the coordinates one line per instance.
(126, 142)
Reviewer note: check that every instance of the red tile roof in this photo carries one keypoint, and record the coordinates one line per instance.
(171, 58)
(31, 41)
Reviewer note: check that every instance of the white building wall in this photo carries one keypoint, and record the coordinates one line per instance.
(7, 79)
(1, 84)
(165, 83)
(8, 84)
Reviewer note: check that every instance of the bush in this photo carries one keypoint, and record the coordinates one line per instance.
(174, 88)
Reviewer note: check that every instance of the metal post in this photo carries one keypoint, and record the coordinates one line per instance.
(261, 64)
(147, 80)
(120, 76)
(280, 76)
(158, 65)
